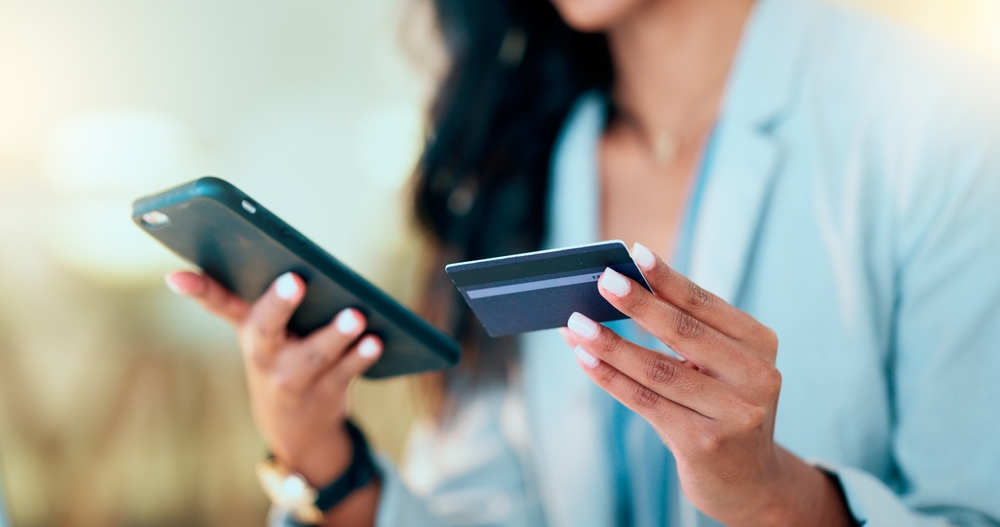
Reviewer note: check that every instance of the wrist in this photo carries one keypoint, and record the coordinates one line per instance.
(323, 461)
(773, 506)
(309, 505)
(801, 494)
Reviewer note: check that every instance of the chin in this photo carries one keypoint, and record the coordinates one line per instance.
(595, 15)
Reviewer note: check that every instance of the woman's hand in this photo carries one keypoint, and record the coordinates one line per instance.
(298, 386)
(715, 409)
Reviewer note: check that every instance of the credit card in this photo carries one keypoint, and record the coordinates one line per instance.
(540, 290)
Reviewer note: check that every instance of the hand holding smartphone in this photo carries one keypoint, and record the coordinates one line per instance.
(244, 247)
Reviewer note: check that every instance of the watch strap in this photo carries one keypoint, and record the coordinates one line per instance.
(359, 474)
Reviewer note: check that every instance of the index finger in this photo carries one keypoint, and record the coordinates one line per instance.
(688, 296)
(210, 295)
(689, 337)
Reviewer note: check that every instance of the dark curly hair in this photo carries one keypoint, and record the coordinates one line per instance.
(515, 71)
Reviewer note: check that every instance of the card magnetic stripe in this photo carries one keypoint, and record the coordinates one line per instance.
(535, 285)
(476, 273)
(509, 311)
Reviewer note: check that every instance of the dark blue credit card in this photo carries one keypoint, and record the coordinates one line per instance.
(540, 290)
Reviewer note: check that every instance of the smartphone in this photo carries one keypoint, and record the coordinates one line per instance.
(238, 243)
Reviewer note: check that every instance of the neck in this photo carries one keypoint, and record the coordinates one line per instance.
(672, 59)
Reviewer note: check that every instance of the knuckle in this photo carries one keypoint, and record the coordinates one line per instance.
(252, 340)
(259, 334)
(285, 383)
(609, 377)
(751, 417)
(772, 380)
(643, 397)
(662, 371)
(686, 326)
(613, 343)
(708, 441)
(696, 297)
(641, 300)
(766, 382)
(770, 340)
(258, 360)
(665, 274)
(317, 357)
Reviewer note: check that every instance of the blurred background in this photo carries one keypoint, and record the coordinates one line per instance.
(121, 404)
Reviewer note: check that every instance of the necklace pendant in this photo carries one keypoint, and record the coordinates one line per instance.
(664, 149)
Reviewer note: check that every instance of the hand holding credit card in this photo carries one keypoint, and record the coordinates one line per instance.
(540, 290)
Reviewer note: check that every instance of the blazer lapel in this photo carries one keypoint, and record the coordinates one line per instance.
(731, 209)
(747, 156)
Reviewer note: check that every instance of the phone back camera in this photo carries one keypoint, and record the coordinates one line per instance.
(155, 219)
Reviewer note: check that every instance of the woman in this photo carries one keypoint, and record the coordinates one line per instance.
(834, 179)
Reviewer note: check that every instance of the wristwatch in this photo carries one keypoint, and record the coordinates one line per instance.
(306, 504)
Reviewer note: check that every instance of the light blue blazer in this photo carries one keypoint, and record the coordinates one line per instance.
(852, 204)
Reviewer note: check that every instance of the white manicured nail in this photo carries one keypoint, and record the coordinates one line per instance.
(171, 285)
(368, 348)
(614, 282)
(585, 357)
(286, 286)
(643, 256)
(347, 322)
(582, 326)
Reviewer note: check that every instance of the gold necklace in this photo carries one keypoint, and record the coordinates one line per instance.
(665, 147)
(663, 144)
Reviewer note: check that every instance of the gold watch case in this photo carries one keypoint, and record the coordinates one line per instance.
(290, 491)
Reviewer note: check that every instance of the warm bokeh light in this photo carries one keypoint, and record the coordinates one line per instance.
(970, 24)
(121, 404)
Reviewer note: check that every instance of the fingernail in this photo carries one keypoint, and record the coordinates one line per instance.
(583, 326)
(171, 285)
(643, 256)
(614, 282)
(368, 348)
(286, 286)
(585, 357)
(347, 322)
